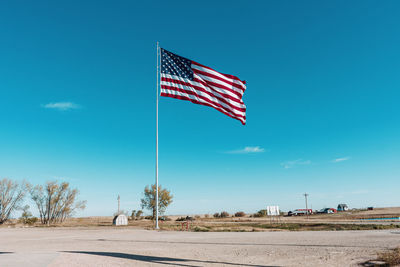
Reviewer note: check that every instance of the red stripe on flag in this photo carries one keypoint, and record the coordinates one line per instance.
(243, 120)
(222, 99)
(229, 76)
(218, 78)
(205, 99)
(208, 83)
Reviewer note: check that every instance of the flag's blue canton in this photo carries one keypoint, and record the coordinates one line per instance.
(175, 65)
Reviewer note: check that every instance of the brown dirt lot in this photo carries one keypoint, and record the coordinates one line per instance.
(113, 246)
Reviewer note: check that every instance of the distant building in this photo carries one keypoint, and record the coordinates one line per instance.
(342, 207)
(120, 220)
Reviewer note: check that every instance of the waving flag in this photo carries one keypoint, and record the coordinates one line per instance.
(185, 79)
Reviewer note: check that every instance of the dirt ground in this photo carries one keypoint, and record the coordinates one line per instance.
(112, 246)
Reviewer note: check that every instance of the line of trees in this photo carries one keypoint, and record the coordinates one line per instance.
(55, 201)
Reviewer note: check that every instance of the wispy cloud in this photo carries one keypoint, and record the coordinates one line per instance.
(247, 150)
(293, 163)
(340, 159)
(61, 106)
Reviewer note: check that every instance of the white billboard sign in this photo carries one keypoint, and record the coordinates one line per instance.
(273, 210)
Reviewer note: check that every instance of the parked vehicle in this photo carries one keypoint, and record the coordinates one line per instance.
(342, 207)
(299, 212)
(327, 210)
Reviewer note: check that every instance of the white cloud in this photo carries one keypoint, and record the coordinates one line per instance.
(247, 150)
(61, 105)
(340, 159)
(293, 163)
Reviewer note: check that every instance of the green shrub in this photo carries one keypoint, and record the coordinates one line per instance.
(240, 214)
(260, 213)
(26, 217)
(201, 229)
(136, 215)
(224, 214)
(187, 218)
(31, 220)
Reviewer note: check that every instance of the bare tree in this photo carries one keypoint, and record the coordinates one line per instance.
(12, 193)
(56, 201)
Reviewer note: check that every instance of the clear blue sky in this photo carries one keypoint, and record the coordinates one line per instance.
(77, 102)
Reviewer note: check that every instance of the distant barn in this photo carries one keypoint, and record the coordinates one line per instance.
(120, 220)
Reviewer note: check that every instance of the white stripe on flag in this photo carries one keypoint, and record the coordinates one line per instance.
(213, 72)
(173, 92)
(215, 91)
(209, 98)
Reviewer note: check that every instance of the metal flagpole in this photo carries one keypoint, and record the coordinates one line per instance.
(158, 51)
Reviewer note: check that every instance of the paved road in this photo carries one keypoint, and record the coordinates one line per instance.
(132, 247)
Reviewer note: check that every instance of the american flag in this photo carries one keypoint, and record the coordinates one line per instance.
(186, 79)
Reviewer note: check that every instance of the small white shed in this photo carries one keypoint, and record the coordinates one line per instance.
(120, 220)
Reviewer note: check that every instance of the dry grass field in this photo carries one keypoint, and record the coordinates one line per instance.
(352, 220)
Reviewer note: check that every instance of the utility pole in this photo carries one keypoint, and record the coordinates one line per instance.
(305, 196)
(118, 204)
